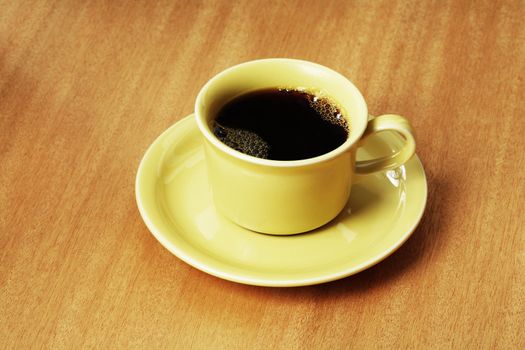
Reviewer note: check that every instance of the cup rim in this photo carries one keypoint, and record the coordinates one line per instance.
(208, 134)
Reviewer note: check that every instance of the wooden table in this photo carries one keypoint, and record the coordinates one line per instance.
(86, 86)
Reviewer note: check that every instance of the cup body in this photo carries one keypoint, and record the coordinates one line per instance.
(280, 197)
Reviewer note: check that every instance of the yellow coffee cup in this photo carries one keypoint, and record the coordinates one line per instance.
(289, 197)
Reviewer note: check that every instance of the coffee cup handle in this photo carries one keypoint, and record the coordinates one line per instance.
(391, 122)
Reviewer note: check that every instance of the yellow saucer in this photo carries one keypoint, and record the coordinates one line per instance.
(175, 202)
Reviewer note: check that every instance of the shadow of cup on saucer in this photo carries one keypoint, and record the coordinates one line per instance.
(360, 199)
(409, 257)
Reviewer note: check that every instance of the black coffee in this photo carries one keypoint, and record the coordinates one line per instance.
(281, 124)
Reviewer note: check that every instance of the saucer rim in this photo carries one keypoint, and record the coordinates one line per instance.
(266, 282)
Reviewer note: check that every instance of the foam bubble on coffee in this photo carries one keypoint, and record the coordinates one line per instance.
(327, 110)
(243, 141)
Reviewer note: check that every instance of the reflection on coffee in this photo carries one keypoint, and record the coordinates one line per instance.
(281, 124)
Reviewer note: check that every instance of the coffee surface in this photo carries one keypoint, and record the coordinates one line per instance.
(281, 124)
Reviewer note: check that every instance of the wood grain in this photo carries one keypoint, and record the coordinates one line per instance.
(85, 86)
